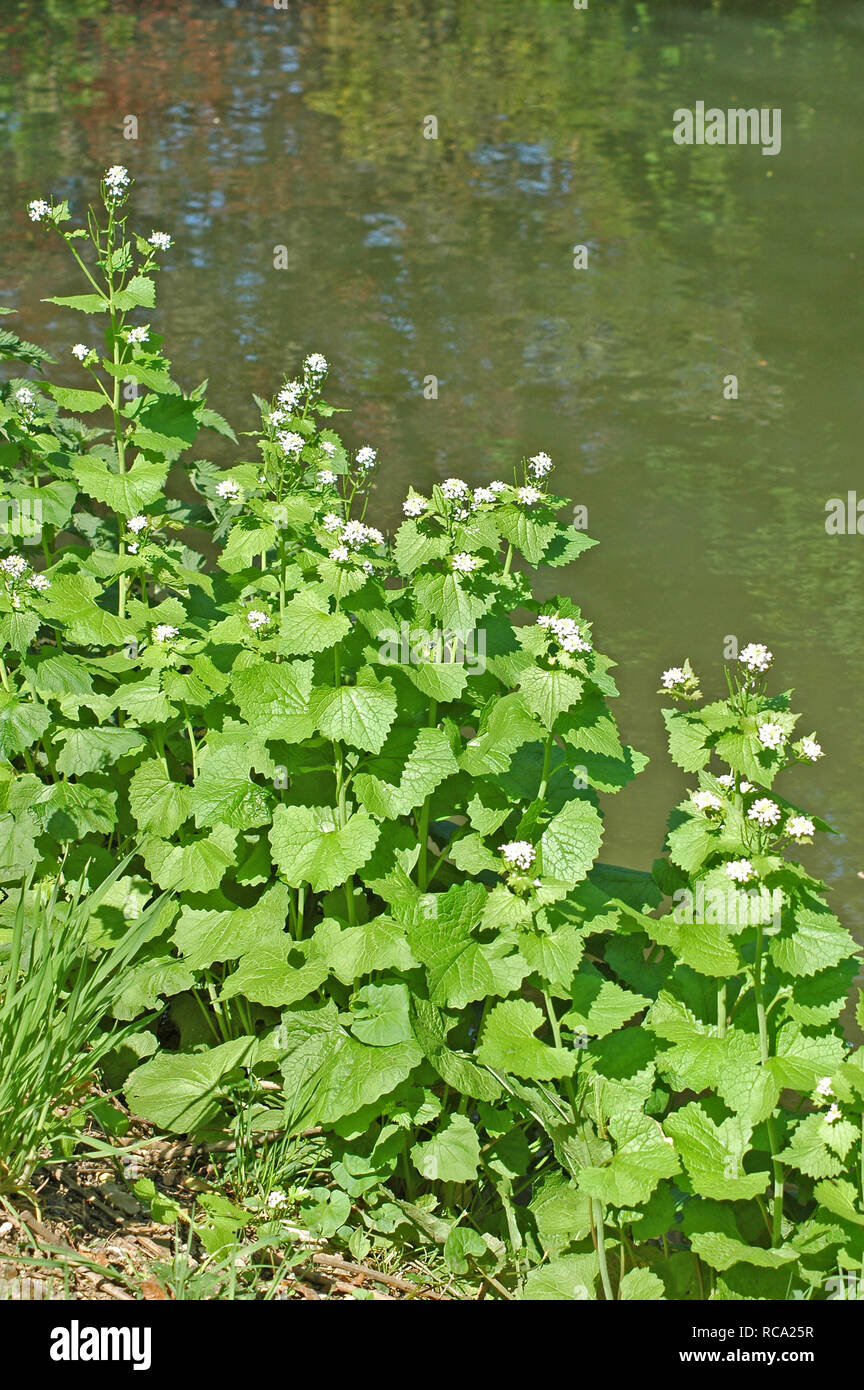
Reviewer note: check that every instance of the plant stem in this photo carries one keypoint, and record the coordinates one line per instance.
(194, 750)
(721, 1010)
(777, 1212)
(423, 827)
(597, 1214)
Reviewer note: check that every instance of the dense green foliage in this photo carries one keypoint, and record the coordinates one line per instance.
(367, 774)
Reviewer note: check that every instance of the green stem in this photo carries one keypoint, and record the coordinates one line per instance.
(721, 1010)
(597, 1214)
(194, 750)
(777, 1213)
(423, 827)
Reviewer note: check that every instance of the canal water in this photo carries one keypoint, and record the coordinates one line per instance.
(309, 127)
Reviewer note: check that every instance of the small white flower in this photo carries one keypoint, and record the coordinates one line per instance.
(290, 443)
(374, 535)
(355, 533)
(116, 179)
(755, 656)
(483, 494)
(519, 853)
(740, 870)
(14, 565)
(832, 1115)
(326, 475)
(137, 335)
(327, 447)
(256, 619)
(290, 394)
(463, 563)
(368, 567)
(229, 488)
(771, 735)
(136, 523)
(163, 632)
(811, 749)
(800, 827)
(340, 553)
(332, 522)
(764, 811)
(528, 496)
(81, 350)
(414, 506)
(38, 209)
(24, 396)
(569, 636)
(745, 787)
(315, 365)
(727, 780)
(276, 1198)
(540, 465)
(706, 801)
(132, 548)
(39, 582)
(545, 620)
(454, 488)
(824, 1087)
(161, 240)
(366, 457)
(276, 417)
(672, 677)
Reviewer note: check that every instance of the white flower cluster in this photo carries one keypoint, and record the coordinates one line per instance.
(800, 828)
(351, 536)
(161, 240)
(38, 209)
(824, 1087)
(366, 457)
(116, 180)
(727, 780)
(771, 735)
(519, 854)
(463, 563)
(81, 351)
(566, 633)
(290, 442)
(314, 369)
(414, 506)
(15, 568)
(528, 496)
(25, 404)
(229, 489)
(755, 656)
(706, 801)
(454, 489)
(540, 465)
(257, 619)
(326, 477)
(740, 870)
(289, 395)
(137, 335)
(810, 749)
(135, 524)
(764, 811)
(672, 677)
(164, 632)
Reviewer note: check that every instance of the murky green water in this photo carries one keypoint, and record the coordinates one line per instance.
(410, 257)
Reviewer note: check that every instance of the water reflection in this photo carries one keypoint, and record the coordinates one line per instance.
(453, 257)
